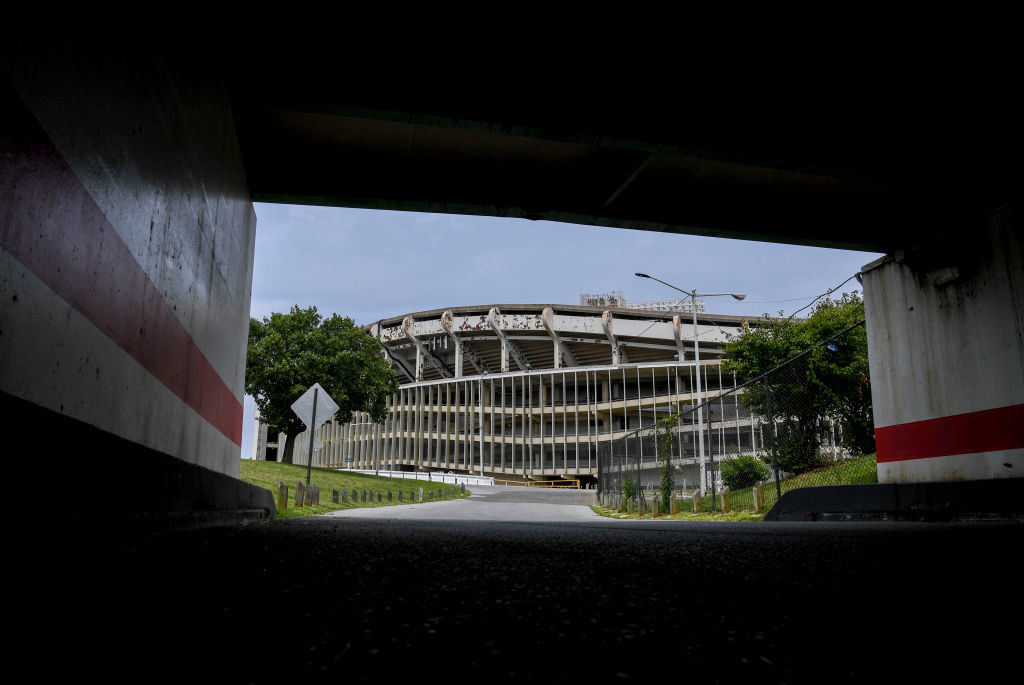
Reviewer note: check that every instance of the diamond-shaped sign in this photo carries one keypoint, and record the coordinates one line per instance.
(325, 407)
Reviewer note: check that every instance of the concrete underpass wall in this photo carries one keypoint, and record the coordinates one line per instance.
(126, 253)
(946, 344)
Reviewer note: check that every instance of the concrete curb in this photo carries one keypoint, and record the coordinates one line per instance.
(1001, 498)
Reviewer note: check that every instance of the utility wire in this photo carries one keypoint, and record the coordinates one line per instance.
(827, 292)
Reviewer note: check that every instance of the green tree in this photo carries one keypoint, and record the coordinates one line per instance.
(828, 387)
(663, 432)
(288, 353)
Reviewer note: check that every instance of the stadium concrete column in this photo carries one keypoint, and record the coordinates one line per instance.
(677, 332)
(508, 346)
(407, 326)
(563, 356)
(945, 325)
(446, 323)
(126, 246)
(607, 324)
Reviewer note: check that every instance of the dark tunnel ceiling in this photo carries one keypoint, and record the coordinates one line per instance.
(871, 168)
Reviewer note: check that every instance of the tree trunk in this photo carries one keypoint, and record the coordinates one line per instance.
(289, 445)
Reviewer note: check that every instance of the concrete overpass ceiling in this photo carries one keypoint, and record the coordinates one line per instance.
(870, 167)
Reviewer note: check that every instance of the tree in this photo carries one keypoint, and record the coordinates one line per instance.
(825, 389)
(288, 353)
(663, 432)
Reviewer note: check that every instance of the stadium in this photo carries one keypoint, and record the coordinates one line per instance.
(531, 393)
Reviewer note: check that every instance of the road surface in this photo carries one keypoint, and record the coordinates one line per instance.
(392, 598)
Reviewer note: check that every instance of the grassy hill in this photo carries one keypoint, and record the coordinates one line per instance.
(266, 474)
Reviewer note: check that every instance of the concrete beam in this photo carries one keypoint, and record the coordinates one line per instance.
(562, 354)
(508, 346)
(619, 355)
(463, 350)
(424, 355)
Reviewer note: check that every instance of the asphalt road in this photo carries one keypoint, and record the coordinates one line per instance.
(553, 595)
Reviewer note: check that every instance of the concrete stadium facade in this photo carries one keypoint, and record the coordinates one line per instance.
(532, 392)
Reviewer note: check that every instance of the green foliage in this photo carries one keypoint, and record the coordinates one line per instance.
(794, 452)
(630, 488)
(742, 471)
(830, 385)
(664, 429)
(288, 353)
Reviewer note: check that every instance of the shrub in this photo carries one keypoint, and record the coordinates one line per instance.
(796, 456)
(743, 472)
(630, 488)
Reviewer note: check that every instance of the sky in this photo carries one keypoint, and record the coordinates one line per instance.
(374, 264)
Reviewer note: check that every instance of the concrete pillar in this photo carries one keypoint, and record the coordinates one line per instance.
(127, 250)
(945, 325)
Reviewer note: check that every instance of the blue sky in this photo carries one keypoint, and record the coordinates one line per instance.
(372, 264)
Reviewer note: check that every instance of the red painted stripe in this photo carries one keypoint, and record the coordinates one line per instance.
(979, 431)
(52, 225)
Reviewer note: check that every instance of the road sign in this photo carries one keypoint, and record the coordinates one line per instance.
(325, 407)
(314, 408)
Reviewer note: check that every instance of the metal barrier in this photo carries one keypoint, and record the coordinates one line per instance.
(431, 476)
(569, 483)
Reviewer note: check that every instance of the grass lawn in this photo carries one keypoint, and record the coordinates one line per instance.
(860, 470)
(681, 516)
(266, 474)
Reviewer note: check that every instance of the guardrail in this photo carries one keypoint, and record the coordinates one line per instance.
(571, 483)
(432, 476)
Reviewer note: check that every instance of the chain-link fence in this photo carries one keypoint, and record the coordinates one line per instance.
(805, 422)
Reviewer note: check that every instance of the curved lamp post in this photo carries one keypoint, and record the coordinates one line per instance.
(693, 294)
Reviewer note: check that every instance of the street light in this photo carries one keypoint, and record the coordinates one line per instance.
(696, 356)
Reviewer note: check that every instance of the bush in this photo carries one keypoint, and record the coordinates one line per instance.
(742, 472)
(796, 457)
(630, 488)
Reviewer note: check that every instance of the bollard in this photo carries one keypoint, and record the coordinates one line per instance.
(389, 497)
(380, 497)
(724, 499)
(282, 495)
(334, 496)
(758, 498)
(399, 494)
(421, 494)
(300, 493)
(696, 502)
(344, 495)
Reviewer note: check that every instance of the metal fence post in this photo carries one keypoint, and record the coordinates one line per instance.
(771, 435)
(711, 458)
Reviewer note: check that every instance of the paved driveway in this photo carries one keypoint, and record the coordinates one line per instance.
(492, 503)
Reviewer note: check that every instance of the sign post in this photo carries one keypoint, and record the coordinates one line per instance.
(306, 409)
